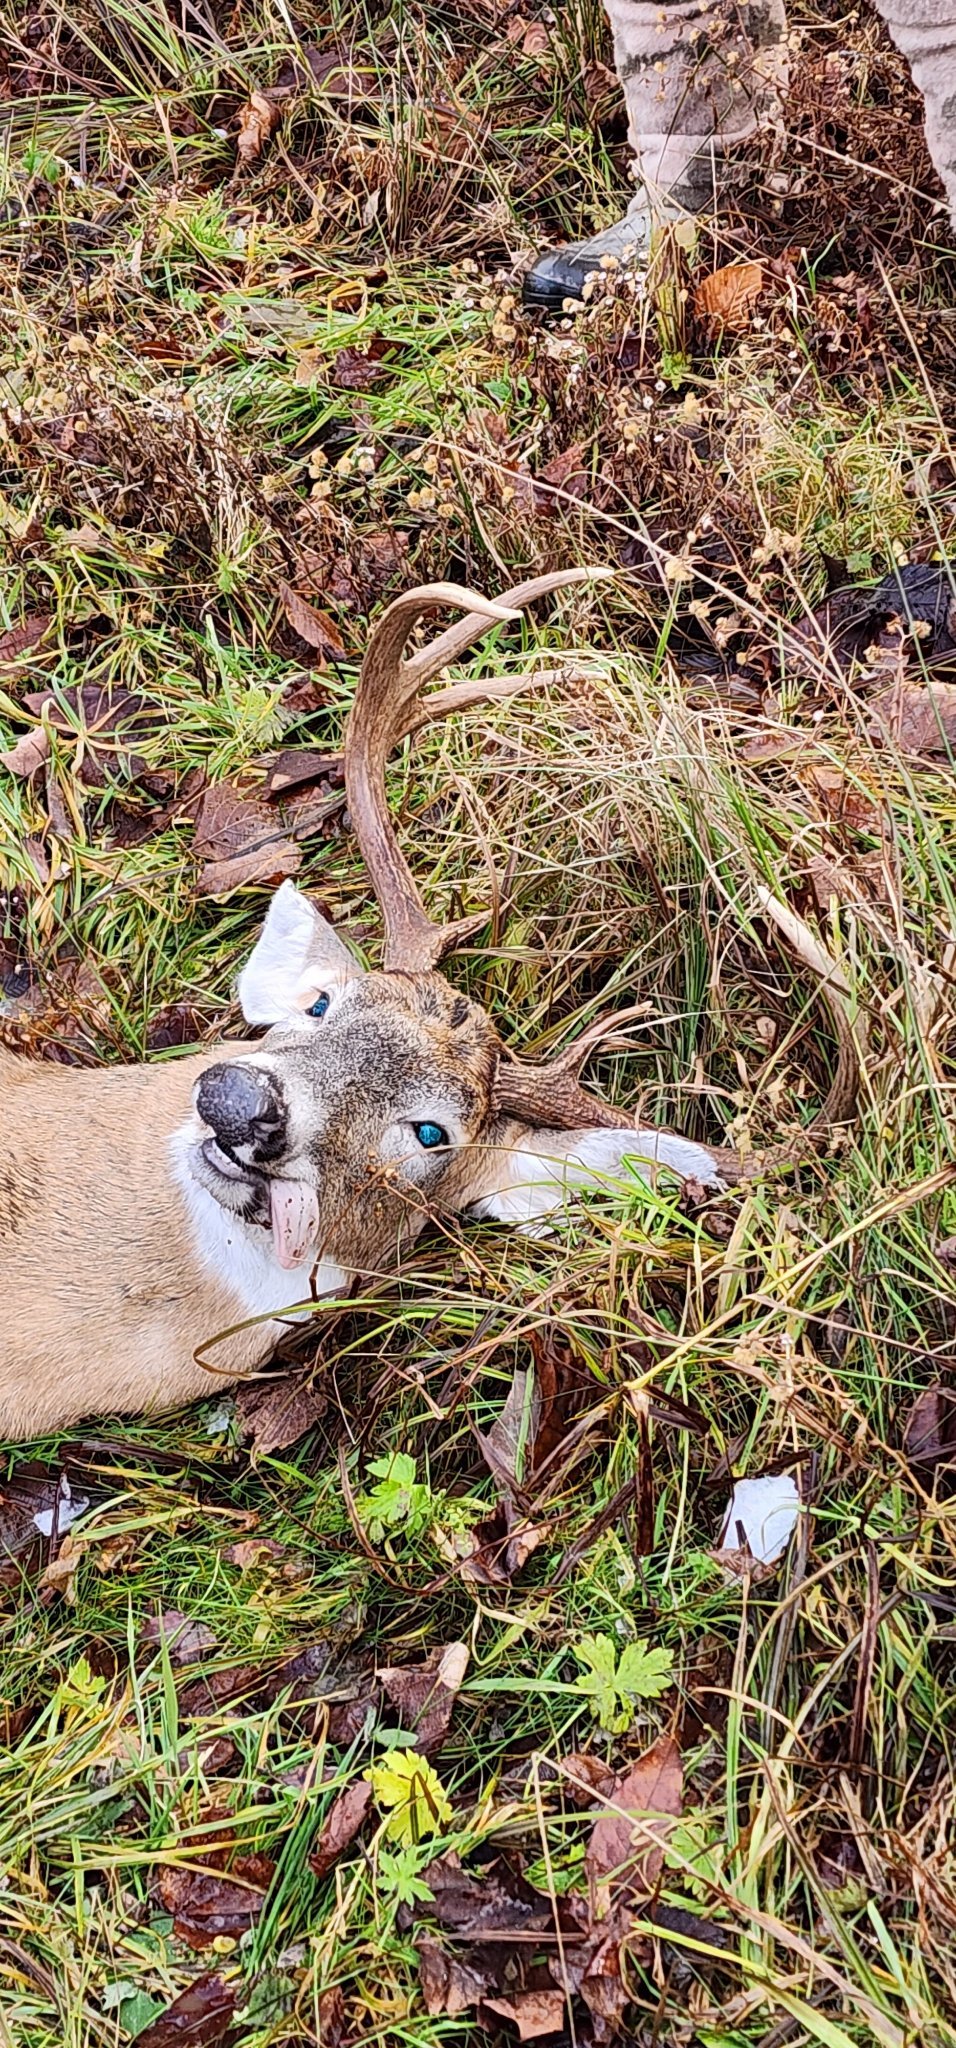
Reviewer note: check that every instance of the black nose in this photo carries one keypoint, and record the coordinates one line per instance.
(244, 1107)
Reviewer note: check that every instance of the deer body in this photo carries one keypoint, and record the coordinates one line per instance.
(146, 1212)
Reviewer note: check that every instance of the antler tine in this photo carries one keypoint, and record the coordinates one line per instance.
(385, 709)
(430, 660)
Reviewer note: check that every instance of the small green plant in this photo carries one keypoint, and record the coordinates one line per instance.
(613, 1684)
(398, 1500)
(412, 1793)
(398, 1874)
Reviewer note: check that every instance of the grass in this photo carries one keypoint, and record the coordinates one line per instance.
(181, 429)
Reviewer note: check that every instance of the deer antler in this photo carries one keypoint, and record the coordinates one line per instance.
(387, 707)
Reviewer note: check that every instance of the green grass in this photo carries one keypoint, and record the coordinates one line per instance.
(176, 437)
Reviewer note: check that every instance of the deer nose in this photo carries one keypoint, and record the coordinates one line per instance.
(244, 1108)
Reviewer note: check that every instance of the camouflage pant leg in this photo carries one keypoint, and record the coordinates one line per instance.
(697, 75)
(925, 32)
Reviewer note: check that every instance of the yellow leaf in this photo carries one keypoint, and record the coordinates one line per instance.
(412, 1793)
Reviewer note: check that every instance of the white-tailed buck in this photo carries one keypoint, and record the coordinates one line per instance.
(146, 1210)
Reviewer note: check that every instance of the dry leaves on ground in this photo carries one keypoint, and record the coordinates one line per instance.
(201, 2017)
(27, 754)
(187, 1640)
(210, 1902)
(929, 1438)
(312, 626)
(424, 1695)
(275, 1413)
(626, 1849)
(20, 639)
(725, 302)
(258, 120)
(340, 1826)
(240, 841)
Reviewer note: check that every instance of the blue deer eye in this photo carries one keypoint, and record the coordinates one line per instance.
(430, 1135)
(319, 1007)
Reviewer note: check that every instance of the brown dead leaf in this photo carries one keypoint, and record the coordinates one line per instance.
(568, 472)
(919, 717)
(200, 2017)
(187, 1640)
(28, 753)
(448, 1986)
(467, 1905)
(340, 1826)
(929, 1438)
(530, 37)
(840, 798)
(300, 767)
(258, 120)
(620, 1854)
(60, 1574)
(360, 369)
(424, 1695)
(211, 1902)
(253, 1551)
(275, 1413)
(727, 299)
(314, 627)
(108, 722)
(240, 841)
(534, 2013)
(19, 640)
(587, 1777)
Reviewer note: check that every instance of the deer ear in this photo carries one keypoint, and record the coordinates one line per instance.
(535, 1174)
(296, 956)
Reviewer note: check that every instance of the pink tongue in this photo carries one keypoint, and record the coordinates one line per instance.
(295, 1220)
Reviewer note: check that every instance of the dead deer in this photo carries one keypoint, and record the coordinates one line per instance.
(145, 1211)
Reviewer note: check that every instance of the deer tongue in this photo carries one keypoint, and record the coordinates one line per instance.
(295, 1220)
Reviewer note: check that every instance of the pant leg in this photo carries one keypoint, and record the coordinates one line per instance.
(925, 32)
(698, 75)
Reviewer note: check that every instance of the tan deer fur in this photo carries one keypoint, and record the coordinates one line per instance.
(136, 1234)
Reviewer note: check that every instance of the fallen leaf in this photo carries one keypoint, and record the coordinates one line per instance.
(760, 1517)
(187, 1640)
(929, 1438)
(534, 2013)
(109, 722)
(466, 1905)
(424, 1695)
(587, 1777)
(360, 369)
(340, 1826)
(448, 1986)
(726, 300)
(258, 120)
(18, 640)
(314, 627)
(412, 1795)
(252, 1550)
(300, 767)
(176, 1024)
(302, 696)
(919, 717)
(535, 43)
(28, 753)
(331, 2016)
(59, 1575)
(568, 472)
(27, 1500)
(275, 1413)
(619, 1853)
(840, 798)
(206, 1905)
(201, 2017)
(240, 841)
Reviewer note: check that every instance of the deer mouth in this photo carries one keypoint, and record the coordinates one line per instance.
(289, 1208)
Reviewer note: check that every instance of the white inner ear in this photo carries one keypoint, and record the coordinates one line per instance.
(537, 1176)
(297, 950)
